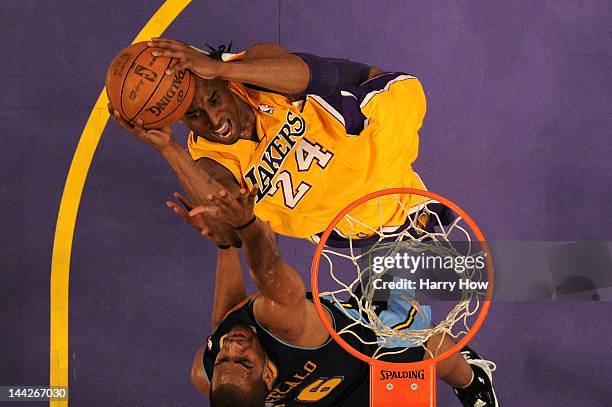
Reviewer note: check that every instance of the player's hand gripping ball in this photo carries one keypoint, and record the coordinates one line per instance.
(138, 87)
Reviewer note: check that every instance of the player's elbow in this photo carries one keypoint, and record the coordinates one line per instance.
(281, 283)
(294, 293)
(264, 50)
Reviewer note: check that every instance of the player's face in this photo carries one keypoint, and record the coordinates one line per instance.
(241, 360)
(217, 114)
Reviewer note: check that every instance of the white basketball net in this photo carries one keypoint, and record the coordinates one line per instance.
(415, 239)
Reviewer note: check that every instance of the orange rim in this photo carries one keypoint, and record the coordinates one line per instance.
(391, 191)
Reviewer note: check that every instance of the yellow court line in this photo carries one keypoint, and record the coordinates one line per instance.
(69, 206)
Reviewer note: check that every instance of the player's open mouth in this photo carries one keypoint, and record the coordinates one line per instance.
(224, 131)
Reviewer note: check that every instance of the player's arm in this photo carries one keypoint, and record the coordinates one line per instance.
(195, 178)
(281, 306)
(230, 288)
(218, 173)
(264, 50)
(349, 72)
(282, 72)
(198, 178)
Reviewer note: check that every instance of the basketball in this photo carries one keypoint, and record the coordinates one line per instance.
(138, 87)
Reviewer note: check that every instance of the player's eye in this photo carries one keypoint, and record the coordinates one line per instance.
(221, 360)
(192, 114)
(245, 363)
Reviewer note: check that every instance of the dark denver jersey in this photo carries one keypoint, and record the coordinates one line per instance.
(322, 376)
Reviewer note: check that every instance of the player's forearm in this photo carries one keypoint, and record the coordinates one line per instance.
(198, 185)
(196, 182)
(271, 274)
(287, 74)
(264, 50)
(230, 288)
(260, 248)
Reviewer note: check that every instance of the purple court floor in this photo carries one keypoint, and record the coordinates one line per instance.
(517, 132)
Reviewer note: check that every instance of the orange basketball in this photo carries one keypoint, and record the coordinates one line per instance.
(138, 87)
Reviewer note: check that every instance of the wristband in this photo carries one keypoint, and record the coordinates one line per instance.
(323, 75)
(246, 224)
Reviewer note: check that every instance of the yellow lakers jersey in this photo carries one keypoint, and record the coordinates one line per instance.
(313, 160)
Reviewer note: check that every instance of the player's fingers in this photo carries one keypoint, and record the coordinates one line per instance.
(188, 206)
(242, 196)
(231, 200)
(172, 205)
(117, 116)
(252, 194)
(206, 232)
(178, 52)
(245, 197)
(178, 210)
(153, 133)
(207, 218)
(159, 39)
(211, 236)
(197, 211)
(122, 122)
(182, 65)
(167, 43)
(140, 131)
(221, 200)
(167, 39)
(168, 53)
(200, 210)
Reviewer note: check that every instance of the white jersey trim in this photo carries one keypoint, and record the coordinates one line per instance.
(328, 107)
(370, 95)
